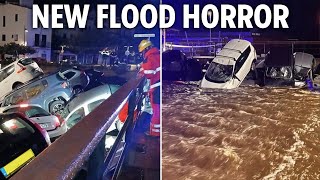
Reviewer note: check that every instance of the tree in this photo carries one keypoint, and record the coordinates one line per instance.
(16, 49)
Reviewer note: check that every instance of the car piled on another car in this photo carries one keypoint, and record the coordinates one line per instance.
(86, 102)
(77, 78)
(50, 92)
(54, 125)
(231, 65)
(21, 140)
(18, 73)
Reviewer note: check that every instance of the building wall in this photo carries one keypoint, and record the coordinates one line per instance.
(21, 31)
(12, 27)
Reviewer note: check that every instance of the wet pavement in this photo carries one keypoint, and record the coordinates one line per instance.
(247, 133)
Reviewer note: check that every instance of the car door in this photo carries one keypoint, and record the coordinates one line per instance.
(75, 117)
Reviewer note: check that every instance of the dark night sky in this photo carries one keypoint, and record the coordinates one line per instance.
(303, 19)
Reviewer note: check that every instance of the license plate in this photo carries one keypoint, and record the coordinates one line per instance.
(44, 126)
(17, 163)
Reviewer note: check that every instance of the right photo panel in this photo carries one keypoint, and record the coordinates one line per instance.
(241, 90)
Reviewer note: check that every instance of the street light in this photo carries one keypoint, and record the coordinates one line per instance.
(164, 37)
(210, 18)
(24, 36)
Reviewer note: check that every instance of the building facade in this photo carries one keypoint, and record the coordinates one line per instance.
(16, 26)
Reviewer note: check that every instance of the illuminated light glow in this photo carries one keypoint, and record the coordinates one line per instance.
(24, 105)
(10, 124)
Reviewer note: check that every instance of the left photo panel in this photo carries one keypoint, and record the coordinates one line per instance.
(79, 90)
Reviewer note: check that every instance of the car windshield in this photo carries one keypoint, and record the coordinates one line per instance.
(60, 76)
(219, 73)
(26, 61)
(31, 111)
(301, 73)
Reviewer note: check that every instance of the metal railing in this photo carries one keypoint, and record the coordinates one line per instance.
(82, 148)
(262, 47)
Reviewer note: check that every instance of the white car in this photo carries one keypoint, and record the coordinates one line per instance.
(55, 126)
(231, 65)
(18, 73)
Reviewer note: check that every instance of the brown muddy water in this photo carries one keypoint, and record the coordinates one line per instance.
(247, 133)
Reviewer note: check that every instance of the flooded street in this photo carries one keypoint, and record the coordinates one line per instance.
(247, 133)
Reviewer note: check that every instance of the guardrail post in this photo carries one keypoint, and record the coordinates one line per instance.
(96, 161)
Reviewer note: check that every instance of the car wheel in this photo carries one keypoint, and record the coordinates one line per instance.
(56, 107)
(16, 85)
(77, 89)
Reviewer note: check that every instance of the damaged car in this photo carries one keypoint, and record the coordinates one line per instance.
(282, 67)
(304, 68)
(231, 65)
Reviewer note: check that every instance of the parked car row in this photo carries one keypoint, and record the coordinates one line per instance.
(44, 107)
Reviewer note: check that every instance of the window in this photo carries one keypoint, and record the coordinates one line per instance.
(15, 37)
(3, 21)
(16, 135)
(43, 40)
(95, 104)
(3, 37)
(6, 72)
(75, 117)
(69, 75)
(16, 98)
(16, 18)
(36, 39)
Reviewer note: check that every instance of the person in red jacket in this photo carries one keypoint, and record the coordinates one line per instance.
(151, 69)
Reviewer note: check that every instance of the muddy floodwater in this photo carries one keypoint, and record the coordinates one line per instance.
(247, 133)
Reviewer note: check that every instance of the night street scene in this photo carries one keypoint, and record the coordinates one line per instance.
(242, 103)
(78, 103)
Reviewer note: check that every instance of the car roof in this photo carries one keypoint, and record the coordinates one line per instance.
(234, 48)
(87, 96)
(238, 45)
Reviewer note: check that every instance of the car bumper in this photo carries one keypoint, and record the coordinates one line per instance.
(58, 132)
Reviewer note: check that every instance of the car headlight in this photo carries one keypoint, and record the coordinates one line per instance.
(273, 72)
(286, 72)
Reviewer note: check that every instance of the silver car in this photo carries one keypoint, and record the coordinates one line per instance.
(86, 102)
(50, 92)
(55, 126)
(77, 78)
